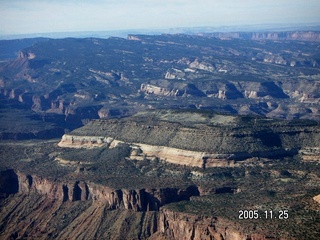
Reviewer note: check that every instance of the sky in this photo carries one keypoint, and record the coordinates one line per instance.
(45, 16)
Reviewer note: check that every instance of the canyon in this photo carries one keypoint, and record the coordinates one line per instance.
(160, 137)
(266, 74)
(196, 144)
(109, 180)
(102, 208)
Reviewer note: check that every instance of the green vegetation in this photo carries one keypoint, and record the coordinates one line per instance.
(263, 184)
(71, 81)
(83, 76)
(262, 189)
(303, 215)
(208, 132)
(20, 124)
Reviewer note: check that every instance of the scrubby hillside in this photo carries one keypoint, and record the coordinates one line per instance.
(76, 80)
(165, 174)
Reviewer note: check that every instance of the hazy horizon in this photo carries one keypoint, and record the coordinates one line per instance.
(35, 16)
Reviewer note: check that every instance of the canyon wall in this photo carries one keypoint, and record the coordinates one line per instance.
(141, 151)
(130, 199)
(218, 141)
(273, 36)
(178, 225)
(47, 208)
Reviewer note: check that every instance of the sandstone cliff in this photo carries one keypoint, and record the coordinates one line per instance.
(274, 36)
(34, 216)
(177, 225)
(89, 211)
(197, 144)
(167, 88)
(130, 199)
(199, 70)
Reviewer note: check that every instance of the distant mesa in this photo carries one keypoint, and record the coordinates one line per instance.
(197, 139)
(71, 81)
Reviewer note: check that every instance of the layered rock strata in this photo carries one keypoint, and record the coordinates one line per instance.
(220, 143)
(130, 199)
(177, 225)
(81, 210)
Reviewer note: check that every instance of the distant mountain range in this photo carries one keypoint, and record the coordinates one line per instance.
(73, 80)
(205, 135)
(182, 30)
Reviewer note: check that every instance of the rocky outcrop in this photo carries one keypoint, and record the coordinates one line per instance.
(142, 151)
(84, 141)
(77, 210)
(12, 182)
(107, 113)
(310, 154)
(232, 90)
(274, 59)
(317, 198)
(293, 36)
(178, 225)
(47, 78)
(48, 106)
(181, 156)
(172, 155)
(228, 91)
(39, 104)
(28, 55)
(152, 89)
(142, 199)
(265, 90)
(307, 91)
(244, 89)
(35, 216)
(28, 183)
(272, 36)
(200, 144)
(202, 65)
(57, 106)
(174, 73)
(133, 37)
(169, 88)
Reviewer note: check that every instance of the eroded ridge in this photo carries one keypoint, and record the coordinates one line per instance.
(136, 199)
(203, 141)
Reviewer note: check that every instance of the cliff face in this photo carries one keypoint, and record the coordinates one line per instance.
(175, 225)
(141, 151)
(176, 71)
(168, 88)
(152, 89)
(200, 159)
(81, 141)
(130, 199)
(273, 36)
(213, 142)
(35, 216)
(142, 199)
(89, 211)
(293, 36)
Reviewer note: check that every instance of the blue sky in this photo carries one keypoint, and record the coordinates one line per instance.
(44, 16)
